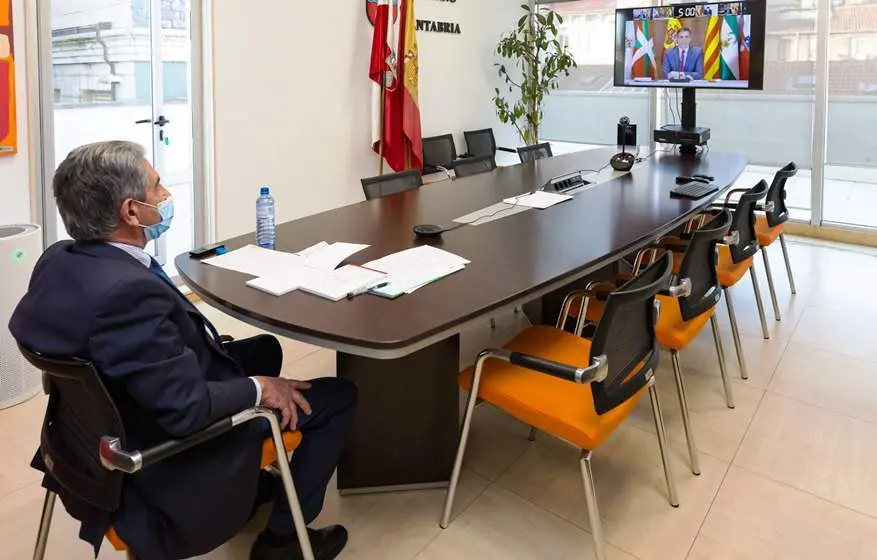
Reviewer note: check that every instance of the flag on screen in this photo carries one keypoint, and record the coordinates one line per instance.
(730, 60)
(673, 27)
(743, 23)
(712, 67)
(410, 76)
(643, 63)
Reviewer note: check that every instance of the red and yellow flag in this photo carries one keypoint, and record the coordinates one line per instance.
(410, 75)
(8, 134)
(713, 49)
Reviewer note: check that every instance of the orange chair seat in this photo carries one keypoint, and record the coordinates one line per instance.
(291, 441)
(766, 234)
(727, 270)
(671, 330)
(555, 406)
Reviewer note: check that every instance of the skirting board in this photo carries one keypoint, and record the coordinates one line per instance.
(840, 234)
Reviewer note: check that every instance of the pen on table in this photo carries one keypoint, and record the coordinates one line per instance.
(352, 295)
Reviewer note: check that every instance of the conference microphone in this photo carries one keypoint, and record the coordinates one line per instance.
(624, 160)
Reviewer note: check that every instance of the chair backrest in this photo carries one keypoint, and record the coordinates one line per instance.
(529, 154)
(626, 336)
(474, 165)
(439, 151)
(385, 185)
(699, 266)
(480, 142)
(776, 194)
(79, 413)
(743, 223)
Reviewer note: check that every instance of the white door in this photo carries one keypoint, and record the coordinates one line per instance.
(122, 70)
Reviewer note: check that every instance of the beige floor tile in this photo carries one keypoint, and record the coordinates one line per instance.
(19, 521)
(842, 328)
(756, 518)
(837, 382)
(19, 439)
(762, 356)
(318, 364)
(631, 491)
(395, 525)
(743, 298)
(502, 526)
(718, 430)
(495, 442)
(844, 270)
(815, 450)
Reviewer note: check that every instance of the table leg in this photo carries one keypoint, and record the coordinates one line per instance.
(407, 422)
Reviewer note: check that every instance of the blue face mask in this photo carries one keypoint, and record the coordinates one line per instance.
(166, 211)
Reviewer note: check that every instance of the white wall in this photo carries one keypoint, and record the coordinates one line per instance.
(292, 97)
(14, 170)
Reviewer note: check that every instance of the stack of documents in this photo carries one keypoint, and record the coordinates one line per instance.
(312, 270)
(410, 270)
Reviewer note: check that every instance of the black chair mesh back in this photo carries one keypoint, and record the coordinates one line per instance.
(777, 195)
(480, 142)
(626, 336)
(385, 185)
(743, 222)
(699, 266)
(529, 154)
(439, 151)
(474, 165)
(79, 414)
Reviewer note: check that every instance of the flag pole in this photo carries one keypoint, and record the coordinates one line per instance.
(383, 124)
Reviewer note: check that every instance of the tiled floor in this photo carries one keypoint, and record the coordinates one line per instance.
(788, 474)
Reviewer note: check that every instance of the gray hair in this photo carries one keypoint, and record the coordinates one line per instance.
(93, 182)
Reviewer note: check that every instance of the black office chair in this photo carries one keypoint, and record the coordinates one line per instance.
(770, 227)
(529, 154)
(474, 166)
(83, 442)
(439, 153)
(482, 143)
(385, 185)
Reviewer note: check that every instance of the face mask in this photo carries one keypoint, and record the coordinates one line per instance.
(166, 211)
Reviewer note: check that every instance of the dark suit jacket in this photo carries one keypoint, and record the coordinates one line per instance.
(693, 62)
(169, 379)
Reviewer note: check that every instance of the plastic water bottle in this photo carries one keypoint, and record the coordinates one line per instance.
(265, 234)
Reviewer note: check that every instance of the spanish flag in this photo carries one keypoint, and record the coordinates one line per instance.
(410, 75)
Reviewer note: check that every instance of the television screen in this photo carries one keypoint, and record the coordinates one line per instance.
(704, 45)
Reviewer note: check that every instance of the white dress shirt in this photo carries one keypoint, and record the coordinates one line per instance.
(145, 259)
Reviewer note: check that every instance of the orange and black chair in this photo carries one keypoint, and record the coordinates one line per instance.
(769, 228)
(82, 426)
(576, 389)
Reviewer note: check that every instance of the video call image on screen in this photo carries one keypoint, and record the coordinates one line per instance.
(701, 45)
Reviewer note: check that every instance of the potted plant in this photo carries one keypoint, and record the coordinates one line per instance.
(540, 58)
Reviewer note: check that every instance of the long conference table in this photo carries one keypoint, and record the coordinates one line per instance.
(404, 354)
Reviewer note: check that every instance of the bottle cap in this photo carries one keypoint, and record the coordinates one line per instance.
(264, 190)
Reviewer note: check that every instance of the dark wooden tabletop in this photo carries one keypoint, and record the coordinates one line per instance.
(512, 258)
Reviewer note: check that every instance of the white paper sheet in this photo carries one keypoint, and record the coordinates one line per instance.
(538, 199)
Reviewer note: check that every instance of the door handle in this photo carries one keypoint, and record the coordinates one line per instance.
(160, 122)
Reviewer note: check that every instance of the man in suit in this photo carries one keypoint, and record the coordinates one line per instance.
(683, 62)
(102, 298)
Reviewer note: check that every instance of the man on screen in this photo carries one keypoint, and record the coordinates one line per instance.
(683, 61)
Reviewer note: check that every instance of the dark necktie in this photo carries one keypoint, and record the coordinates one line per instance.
(682, 62)
(156, 269)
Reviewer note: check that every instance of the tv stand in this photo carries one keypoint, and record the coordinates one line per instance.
(687, 135)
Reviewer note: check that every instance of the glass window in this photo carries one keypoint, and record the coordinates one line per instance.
(587, 106)
(850, 192)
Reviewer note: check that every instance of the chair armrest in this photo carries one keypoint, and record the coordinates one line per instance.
(732, 192)
(225, 338)
(597, 371)
(509, 150)
(590, 291)
(114, 458)
(680, 288)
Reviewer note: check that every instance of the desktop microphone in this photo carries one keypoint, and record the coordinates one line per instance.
(624, 161)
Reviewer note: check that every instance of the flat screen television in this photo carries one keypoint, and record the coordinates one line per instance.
(716, 45)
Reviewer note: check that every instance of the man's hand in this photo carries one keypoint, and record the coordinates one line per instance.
(283, 395)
